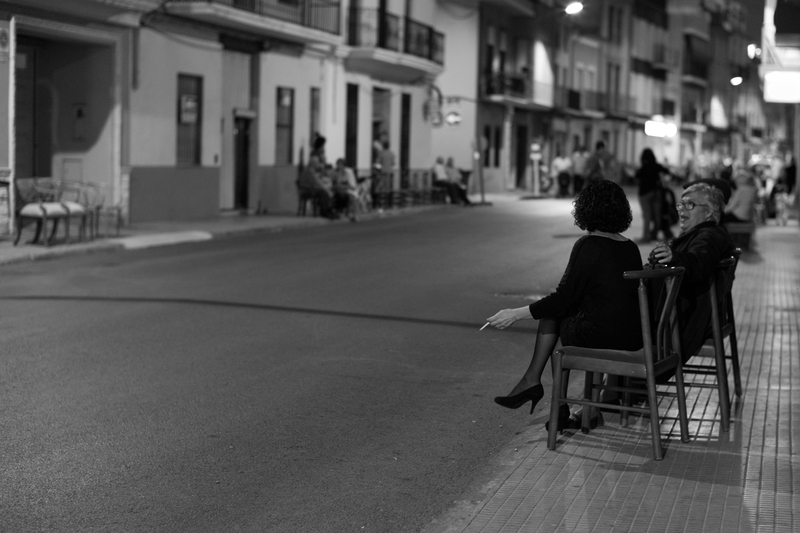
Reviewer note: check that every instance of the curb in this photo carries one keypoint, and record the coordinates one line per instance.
(157, 239)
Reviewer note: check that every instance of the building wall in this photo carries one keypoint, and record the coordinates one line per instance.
(235, 95)
(458, 81)
(182, 192)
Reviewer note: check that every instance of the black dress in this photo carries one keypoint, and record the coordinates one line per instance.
(595, 306)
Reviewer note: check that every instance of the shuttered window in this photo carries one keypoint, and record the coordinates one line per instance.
(190, 119)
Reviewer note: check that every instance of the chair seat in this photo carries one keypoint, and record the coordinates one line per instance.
(618, 362)
(74, 208)
(44, 209)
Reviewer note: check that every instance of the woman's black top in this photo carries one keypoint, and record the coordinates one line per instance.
(597, 308)
(649, 177)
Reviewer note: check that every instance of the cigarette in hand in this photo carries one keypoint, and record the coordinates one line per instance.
(484, 327)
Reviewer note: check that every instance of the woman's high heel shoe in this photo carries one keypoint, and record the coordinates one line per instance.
(564, 419)
(532, 394)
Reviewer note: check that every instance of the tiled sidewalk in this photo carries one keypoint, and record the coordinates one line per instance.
(744, 481)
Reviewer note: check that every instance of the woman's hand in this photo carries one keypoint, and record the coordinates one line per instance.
(662, 253)
(506, 317)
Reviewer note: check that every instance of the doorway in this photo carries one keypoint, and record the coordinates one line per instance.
(241, 174)
(522, 156)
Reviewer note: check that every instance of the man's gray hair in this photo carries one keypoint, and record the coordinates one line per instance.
(712, 196)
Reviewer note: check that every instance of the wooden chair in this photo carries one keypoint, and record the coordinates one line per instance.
(722, 326)
(660, 354)
(304, 196)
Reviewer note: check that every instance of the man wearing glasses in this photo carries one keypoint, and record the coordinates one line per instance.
(702, 244)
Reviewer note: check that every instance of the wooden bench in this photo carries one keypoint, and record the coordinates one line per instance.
(742, 233)
(46, 200)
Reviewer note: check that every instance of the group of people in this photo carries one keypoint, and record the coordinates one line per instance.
(582, 167)
(334, 189)
(594, 307)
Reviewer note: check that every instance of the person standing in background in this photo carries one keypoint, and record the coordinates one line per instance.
(579, 157)
(386, 160)
(560, 172)
(651, 193)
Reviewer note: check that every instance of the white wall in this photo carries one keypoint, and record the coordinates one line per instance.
(459, 79)
(153, 105)
(299, 73)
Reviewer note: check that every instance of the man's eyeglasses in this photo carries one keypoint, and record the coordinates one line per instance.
(687, 205)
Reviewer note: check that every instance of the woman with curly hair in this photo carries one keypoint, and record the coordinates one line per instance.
(593, 306)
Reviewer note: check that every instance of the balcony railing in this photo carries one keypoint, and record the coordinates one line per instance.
(423, 41)
(317, 14)
(508, 85)
(617, 103)
(580, 100)
(693, 114)
(371, 28)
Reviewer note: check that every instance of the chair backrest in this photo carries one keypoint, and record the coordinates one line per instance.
(662, 316)
(724, 275)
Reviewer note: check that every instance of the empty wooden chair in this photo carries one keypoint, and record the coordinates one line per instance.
(722, 326)
(659, 355)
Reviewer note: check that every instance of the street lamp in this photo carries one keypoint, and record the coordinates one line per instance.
(573, 8)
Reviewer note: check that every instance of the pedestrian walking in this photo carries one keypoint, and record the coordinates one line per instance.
(579, 157)
(560, 170)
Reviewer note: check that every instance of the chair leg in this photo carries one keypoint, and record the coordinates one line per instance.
(558, 377)
(52, 236)
(588, 394)
(626, 401)
(682, 412)
(722, 371)
(737, 376)
(655, 421)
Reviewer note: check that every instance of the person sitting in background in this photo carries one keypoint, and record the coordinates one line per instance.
(312, 179)
(743, 200)
(345, 189)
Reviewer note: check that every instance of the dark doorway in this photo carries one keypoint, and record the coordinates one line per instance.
(241, 178)
(405, 137)
(522, 155)
(351, 127)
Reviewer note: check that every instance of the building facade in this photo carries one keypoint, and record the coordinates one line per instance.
(187, 109)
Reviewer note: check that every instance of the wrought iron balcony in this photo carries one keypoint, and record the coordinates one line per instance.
(372, 28)
(323, 15)
(693, 114)
(423, 41)
(393, 48)
(618, 104)
(580, 100)
(507, 85)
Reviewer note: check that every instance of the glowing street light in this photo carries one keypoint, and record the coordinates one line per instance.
(573, 8)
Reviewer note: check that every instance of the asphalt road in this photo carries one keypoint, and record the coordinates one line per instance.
(328, 379)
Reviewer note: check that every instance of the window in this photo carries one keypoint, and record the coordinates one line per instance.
(190, 119)
(284, 126)
(314, 113)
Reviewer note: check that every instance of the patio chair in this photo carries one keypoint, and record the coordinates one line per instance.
(660, 354)
(722, 326)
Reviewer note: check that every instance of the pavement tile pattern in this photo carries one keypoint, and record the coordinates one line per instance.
(746, 480)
